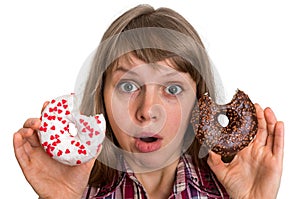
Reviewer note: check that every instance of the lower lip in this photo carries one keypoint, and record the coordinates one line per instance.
(146, 147)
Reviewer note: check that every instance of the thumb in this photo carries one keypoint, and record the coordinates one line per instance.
(44, 106)
(217, 165)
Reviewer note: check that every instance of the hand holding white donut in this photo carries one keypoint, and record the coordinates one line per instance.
(66, 135)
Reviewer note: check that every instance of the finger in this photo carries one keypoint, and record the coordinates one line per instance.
(20, 152)
(217, 165)
(33, 123)
(278, 140)
(29, 135)
(262, 134)
(271, 121)
(25, 133)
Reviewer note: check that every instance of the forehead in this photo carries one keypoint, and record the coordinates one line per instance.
(130, 62)
(130, 66)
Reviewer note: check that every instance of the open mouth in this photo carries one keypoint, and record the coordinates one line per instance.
(147, 144)
(149, 139)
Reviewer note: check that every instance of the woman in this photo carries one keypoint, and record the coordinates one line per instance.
(147, 73)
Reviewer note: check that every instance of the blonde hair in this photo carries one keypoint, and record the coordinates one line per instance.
(187, 54)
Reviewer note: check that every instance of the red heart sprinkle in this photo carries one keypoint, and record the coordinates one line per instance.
(67, 112)
(63, 101)
(88, 142)
(67, 151)
(59, 153)
(52, 128)
(43, 129)
(58, 104)
(78, 162)
(81, 152)
(51, 117)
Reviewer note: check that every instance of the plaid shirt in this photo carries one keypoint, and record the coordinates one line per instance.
(190, 183)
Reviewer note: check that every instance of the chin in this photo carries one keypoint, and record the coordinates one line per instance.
(152, 161)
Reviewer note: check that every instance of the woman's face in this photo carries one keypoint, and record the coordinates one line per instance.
(148, 107)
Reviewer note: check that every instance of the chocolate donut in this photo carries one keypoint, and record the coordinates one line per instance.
(236, 135)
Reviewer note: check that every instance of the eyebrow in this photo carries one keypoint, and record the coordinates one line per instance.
(125, 70)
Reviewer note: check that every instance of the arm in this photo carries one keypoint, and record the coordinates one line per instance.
(256, 171)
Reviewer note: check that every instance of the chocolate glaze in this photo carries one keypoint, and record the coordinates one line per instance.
(239, 132)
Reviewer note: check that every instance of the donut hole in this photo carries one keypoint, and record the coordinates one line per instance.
(223, 120)
(72, 129)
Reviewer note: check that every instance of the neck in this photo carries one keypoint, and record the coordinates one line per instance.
(160, 182)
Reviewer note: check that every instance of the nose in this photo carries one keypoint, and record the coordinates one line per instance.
(148, 104)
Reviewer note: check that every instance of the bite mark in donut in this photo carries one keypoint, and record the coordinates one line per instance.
(68, 136)
(236, 135)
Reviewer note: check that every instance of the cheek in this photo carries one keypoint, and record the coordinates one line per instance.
(175, 119)
(178, 118)
(123, 117)
(117, 109)
(117, 131)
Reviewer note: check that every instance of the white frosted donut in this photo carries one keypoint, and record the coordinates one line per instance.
(66, 135)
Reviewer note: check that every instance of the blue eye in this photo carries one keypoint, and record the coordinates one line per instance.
(173, 89)
(127, 87)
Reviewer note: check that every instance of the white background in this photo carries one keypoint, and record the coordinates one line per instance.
(43, 44)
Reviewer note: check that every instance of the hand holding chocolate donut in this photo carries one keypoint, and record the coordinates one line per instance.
(236, 135)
